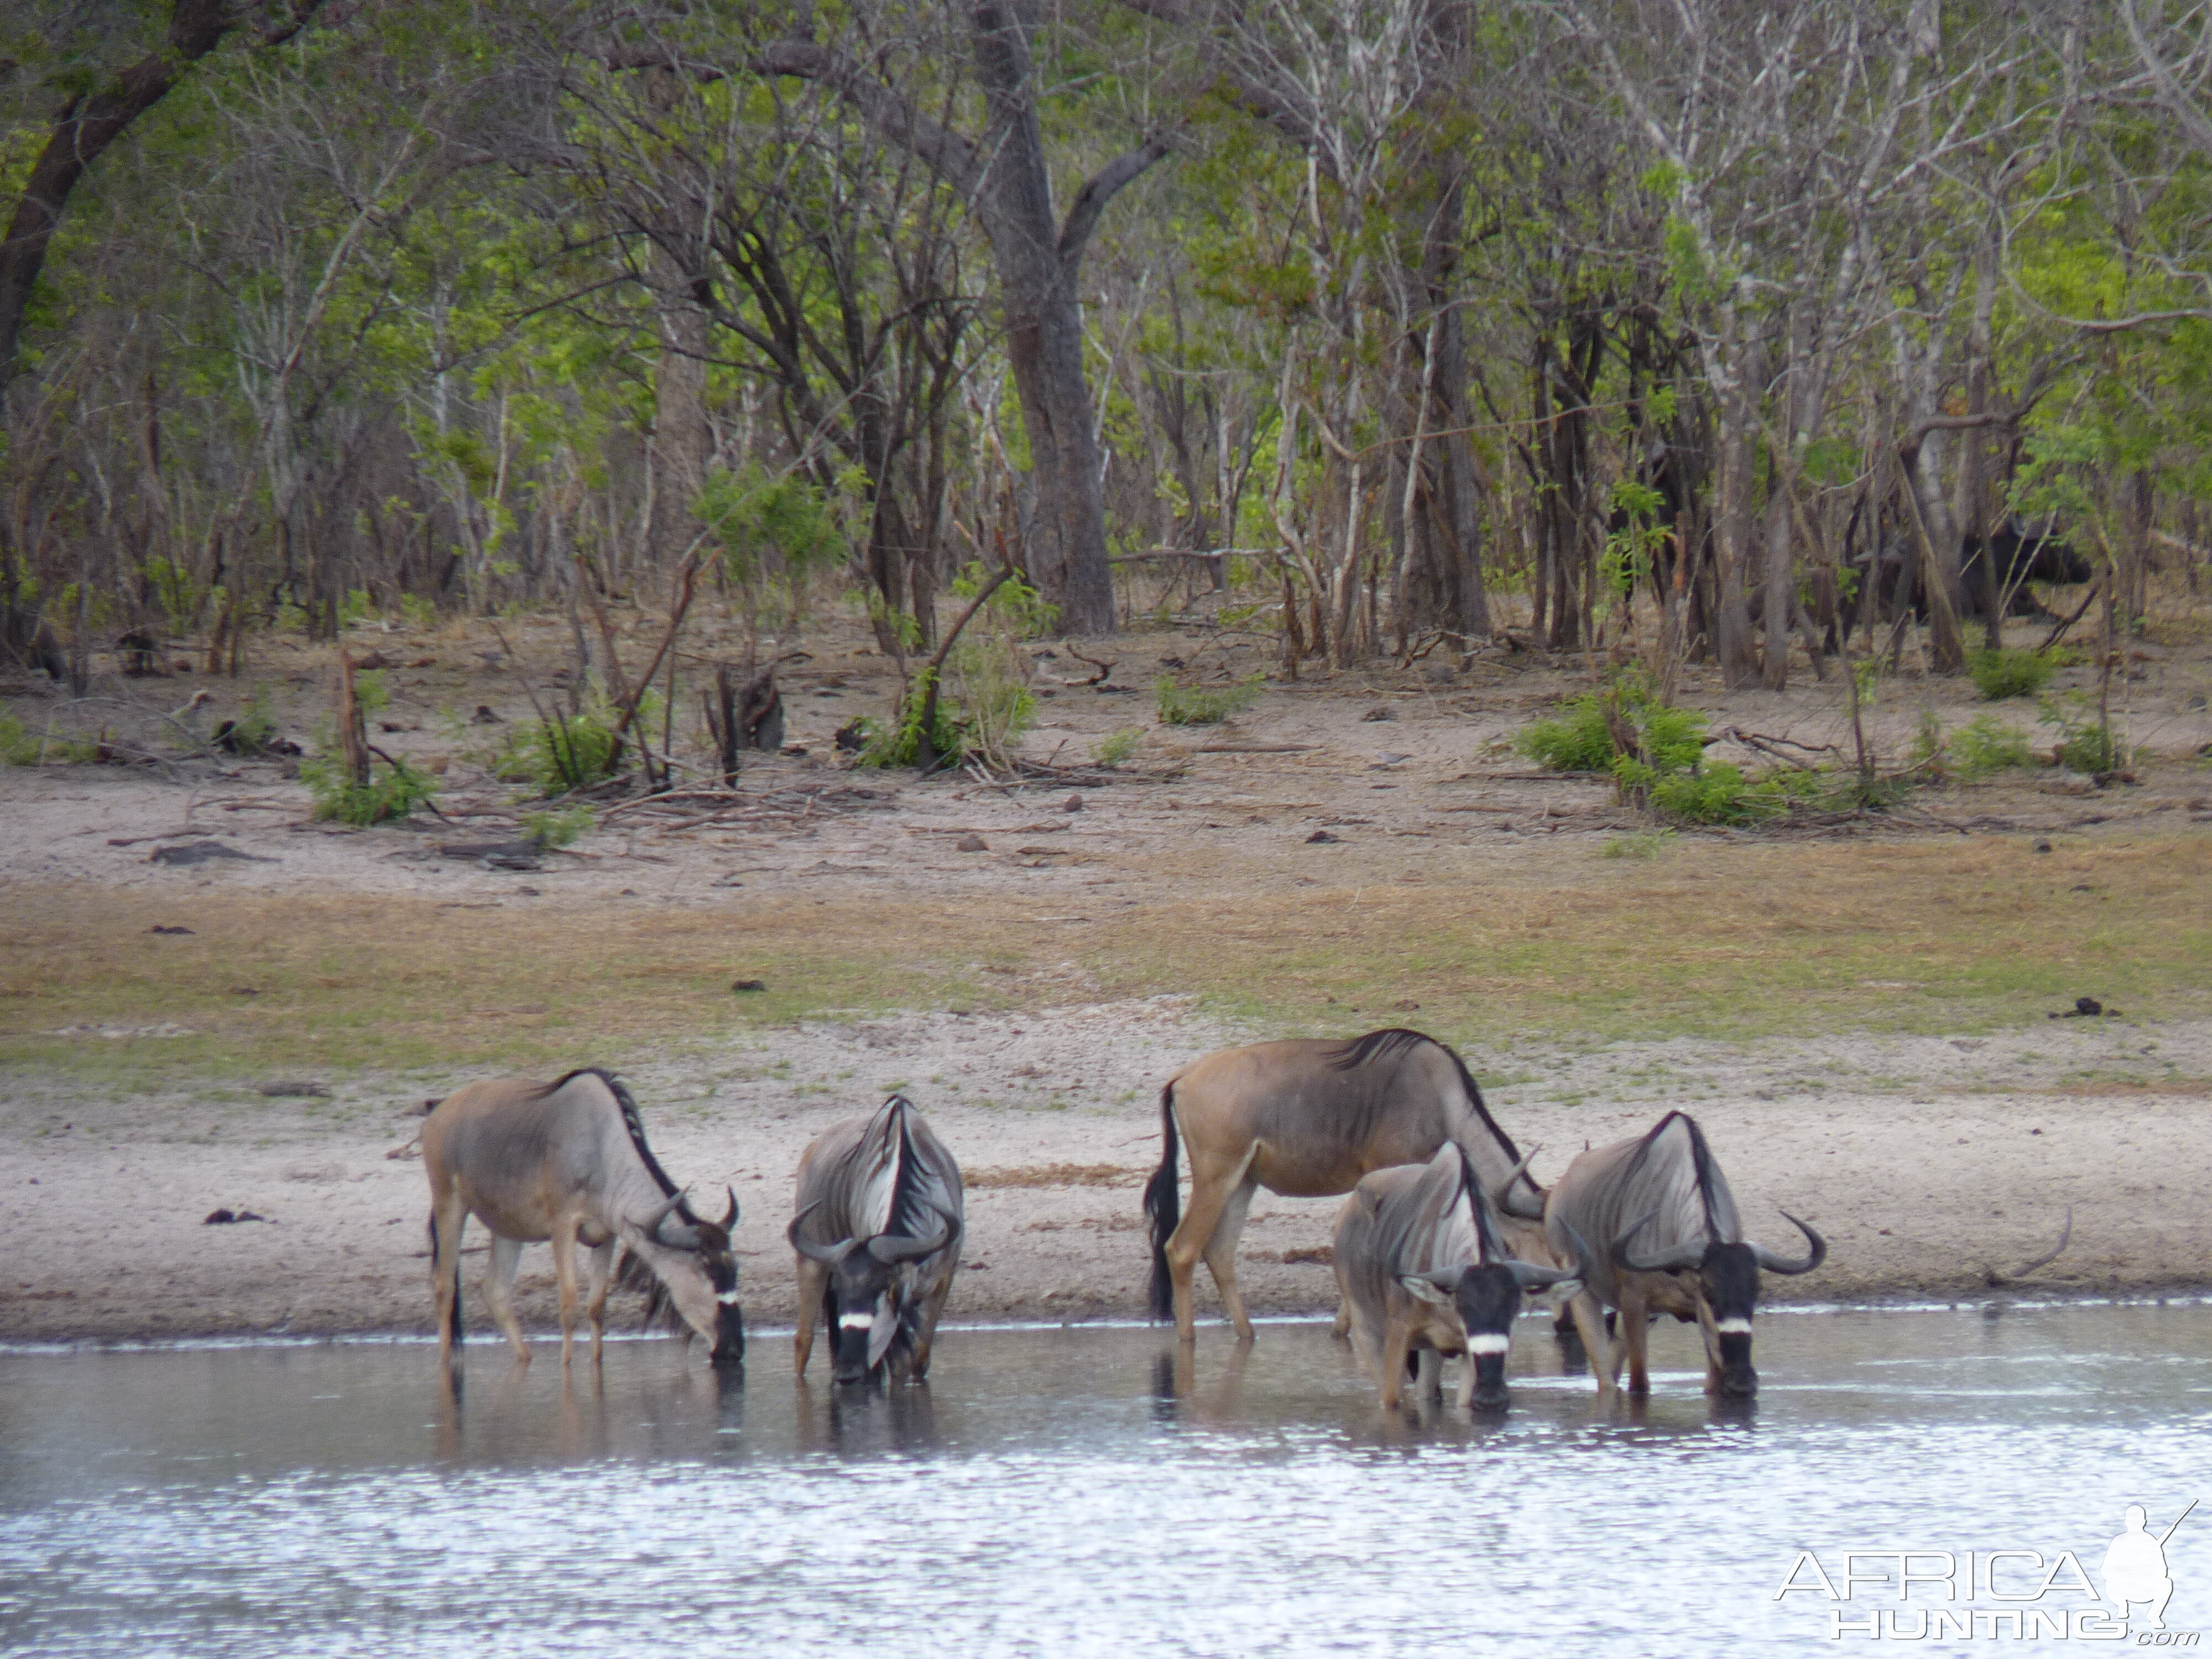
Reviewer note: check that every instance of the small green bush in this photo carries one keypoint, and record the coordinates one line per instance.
(1205, 705)
(2001, 674)
(1720, 793)
(393, 790)
(2086, 744)
(900, 742)
(17, 746)
(253, 730)
(1983, 747)
(564, 752)
(558, 828)
(1646, 844)
(1579, 740)
(1117, 746)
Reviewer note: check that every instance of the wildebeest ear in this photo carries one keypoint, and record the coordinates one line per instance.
(1426, 1289)
(881, 1333)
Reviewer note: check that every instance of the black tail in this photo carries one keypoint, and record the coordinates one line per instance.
(453, 1331)
(1163, 1204)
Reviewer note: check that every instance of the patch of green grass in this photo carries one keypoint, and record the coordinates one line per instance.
(1117, 746)
(1205, 705)
(2007, 673)
(1643, 844)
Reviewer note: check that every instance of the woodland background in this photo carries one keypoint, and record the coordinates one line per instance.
(1393, 323)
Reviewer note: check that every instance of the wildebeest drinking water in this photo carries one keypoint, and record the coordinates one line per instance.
(1307, 1118)
(1423, 1271)
(1667, 1239)
(877, 1232)
(567, 1162)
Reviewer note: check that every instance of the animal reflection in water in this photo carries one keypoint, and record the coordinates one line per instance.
(877, 1235)
(1424, 1275)
(568, 1162)
(1669, 1241)
(1308, 1119)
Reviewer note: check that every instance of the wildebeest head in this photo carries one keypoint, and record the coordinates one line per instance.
(1486, 1295)
(1728, 1281)
(869, 1300)
(700, 1274)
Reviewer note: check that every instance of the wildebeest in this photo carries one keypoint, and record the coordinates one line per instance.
(1307, 1118)
(567, 1162)
(1665, 1238)
(878, 1229)
(1997, 568)
(1423, 1271)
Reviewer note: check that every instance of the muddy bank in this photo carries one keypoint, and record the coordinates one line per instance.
(1925, 1160)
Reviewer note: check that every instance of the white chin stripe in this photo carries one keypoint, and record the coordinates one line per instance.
(727, 1298)
(856, 1322)
(1732, 1327)
(1489, 1343)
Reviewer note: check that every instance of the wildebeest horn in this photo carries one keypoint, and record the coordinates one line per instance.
(1500, 1194)
(1507, 1197)
(828, 1255)
(2066, 1233)
(1538, 1277)
(1667, 1261)
(887, 1249)
(730, 1220)
(1775, 1264)
(651, 1226)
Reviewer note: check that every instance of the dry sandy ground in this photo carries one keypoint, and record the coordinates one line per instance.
(1926, 1160)
(1970, 1164)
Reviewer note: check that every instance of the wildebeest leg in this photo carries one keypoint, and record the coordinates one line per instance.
(1706, 1329)
(1635, 1333)
(1395, 1342)
(925, 1333)
(1429, 1378)
(499, 1287)
(1343, 1317)
(603, 1273)
(1221, 1255)
(447, 1222)
(813, 1278)
(1589, 1325)
(564, 1274)
(1211, 1181)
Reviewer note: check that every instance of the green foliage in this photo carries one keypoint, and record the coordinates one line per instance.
(1117, 746)
(2086, 742)
(900, 744)
(250, 733)
(1720, 793)
(1980, 749)
(17, 746)
(1645, 844)
(356, 607)
(393, 791)
(1205, 705)
(417, 612)
(564, 752)
(1579, 740)
(2007, 673)
(370, 691)
(558, 828)
(750, 513)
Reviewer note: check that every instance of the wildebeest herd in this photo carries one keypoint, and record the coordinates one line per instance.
(1444, 1233)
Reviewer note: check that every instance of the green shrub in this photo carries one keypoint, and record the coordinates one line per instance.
(558, 828)
(900, 742)
(2086, 743)
(1579, 740)
(2001, 674)
(1647, 844)
(564, 752)
(17, 746)
(1983, 747)
(252, 732)
(1205, 705)
(393, 791)
(1117, 746)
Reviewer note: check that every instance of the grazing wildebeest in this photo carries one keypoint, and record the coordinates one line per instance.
(1665, 1238)
(1423, 1271)
(1998, 568)
(878, 1230)
(568, 1161)
(1307, 1118)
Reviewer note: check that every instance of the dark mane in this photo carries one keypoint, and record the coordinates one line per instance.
(632, 1123)
(1701, 1159)
(1486, 1226)
(910, 1215)
(1393, 1040)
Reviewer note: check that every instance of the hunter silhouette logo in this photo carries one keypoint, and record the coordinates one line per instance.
(2135, 1567)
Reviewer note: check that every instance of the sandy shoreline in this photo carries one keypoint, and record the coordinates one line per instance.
(1925, 1160)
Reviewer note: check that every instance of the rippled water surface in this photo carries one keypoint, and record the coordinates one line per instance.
(1072, 1491)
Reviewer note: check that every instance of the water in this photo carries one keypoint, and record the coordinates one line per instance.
(1073, 1492)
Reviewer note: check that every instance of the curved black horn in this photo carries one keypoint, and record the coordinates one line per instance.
(1585, 1257)
(2066, 1234)
(828, 1255)
(1814, 1257)
(651, 1226)
(1531, 1277)
(730, 1220)
(1501, 1195)
(887, 1249)
(1666, 1261)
